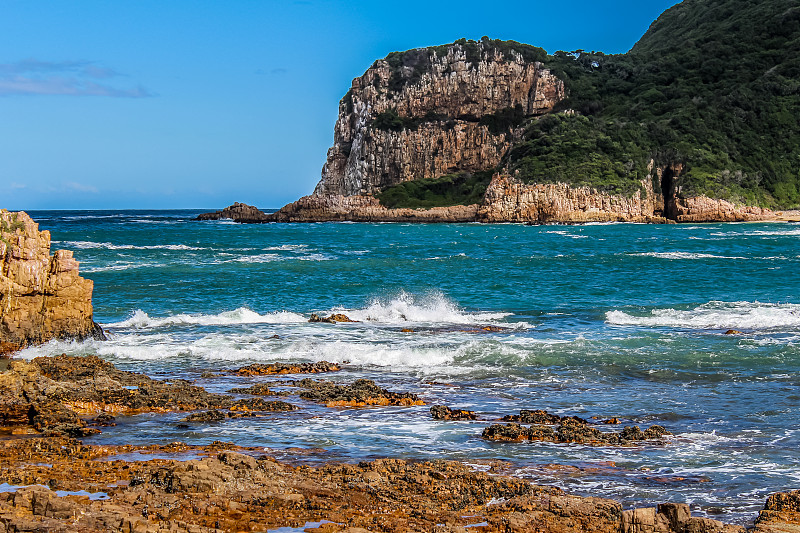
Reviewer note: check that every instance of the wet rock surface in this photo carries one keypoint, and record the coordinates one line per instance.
(59, 484)
(52, 394)
(259, 369)
(442, 412)
(228, 488)
(569, 430)
(90, 385)
(332, 319)
(261, 389)
(360, 393)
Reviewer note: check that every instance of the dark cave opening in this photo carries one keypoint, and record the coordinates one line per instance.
(667, 188)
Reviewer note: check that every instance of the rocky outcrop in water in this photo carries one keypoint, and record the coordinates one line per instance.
(237, 212)
(570, 430)
(337, 208)
(42, 296)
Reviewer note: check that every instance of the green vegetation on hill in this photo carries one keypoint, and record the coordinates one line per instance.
(713, 85)
(454, 189)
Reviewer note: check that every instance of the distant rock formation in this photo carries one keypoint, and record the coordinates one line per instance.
(42, 297)
(237, 212)
(509, 200)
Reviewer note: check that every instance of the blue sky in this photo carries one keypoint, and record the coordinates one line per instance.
(181, 104)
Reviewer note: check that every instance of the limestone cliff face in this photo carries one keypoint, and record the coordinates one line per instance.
(509, 200)
(41, 296)
(440, 95)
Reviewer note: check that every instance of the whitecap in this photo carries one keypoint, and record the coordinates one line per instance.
(716, 315)
(89, 245)
(684, 255)
(141, 320)
(431, 308)
(119, 266)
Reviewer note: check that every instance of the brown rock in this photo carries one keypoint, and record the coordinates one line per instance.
(537, 416)
(360, 393)
(570, 430)
(442, 412)
(781, 514)
(43, 296)
(259, 369)
(261, 389)
(332, 319)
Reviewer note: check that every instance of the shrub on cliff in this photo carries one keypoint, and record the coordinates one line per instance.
(453, 189)
(713, 85)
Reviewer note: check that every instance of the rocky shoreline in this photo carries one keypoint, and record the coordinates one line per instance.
(53, 482)
(550, 204)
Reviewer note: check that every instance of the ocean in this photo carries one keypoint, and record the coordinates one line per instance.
(598, 320)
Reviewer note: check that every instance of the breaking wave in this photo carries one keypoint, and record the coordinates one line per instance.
(716, 315)
(141, 320)
(431, 308)
(685, 255)
(88, 245)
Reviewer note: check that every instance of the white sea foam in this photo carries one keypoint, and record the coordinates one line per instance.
(717, 315)
(684, 255)
(88, 245)
(141, 320)
(432, 308)
(260, 258)
(288, 248)
(567, 234)
(120, 265)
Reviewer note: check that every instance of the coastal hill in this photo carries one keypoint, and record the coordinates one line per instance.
(697, 122)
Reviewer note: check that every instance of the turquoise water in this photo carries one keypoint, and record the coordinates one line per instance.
(603, 320)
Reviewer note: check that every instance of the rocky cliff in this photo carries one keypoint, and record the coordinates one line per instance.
(508, 199)
(41, 296)
(433, 111)
(460, 108)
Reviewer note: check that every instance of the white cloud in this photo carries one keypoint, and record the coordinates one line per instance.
(72, 78)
